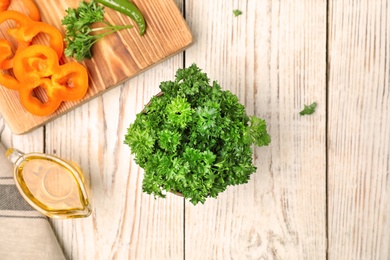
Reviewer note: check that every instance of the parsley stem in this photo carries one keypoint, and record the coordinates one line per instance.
(113, 28)
(109, 30)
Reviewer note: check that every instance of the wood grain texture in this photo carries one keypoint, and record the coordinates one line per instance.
(117, 57)
(33, 142)
(359, 130)
(273, 58)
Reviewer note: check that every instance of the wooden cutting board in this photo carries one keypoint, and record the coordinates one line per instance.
(117, 57)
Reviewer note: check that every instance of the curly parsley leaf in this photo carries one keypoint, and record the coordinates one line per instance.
(179, 112)
(237, 12)
(309, 109)
(195, 139)
(258, 132)
(79, 34)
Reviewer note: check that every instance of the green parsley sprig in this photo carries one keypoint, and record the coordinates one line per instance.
(79, 34)
(237, 12)
(309, 109)
(194, 139)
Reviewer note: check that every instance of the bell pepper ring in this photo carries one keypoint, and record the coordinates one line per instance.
(9, 82)
(32, 9)
(27, 29)
(5, 79)
(20, 18)
(72, 77)
(5, 51)
(35, 62)
(9, 63)
(55, 37)
(37, 105)
(4, 4)
(37, 67)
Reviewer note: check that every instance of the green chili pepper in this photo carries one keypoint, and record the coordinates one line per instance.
(128, 8)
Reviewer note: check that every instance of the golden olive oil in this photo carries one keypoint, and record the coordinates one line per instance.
(50, 184)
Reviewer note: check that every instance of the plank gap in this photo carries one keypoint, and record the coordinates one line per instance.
(327, 79)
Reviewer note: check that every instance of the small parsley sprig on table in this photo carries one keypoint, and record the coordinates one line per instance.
(194, 139)
(309, 109)
(79, 34)
(237, 12)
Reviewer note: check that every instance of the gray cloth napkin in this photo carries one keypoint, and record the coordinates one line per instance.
(24, 232)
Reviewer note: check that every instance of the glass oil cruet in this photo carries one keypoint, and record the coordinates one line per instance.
(50, 185)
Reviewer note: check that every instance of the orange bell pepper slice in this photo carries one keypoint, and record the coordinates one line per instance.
(43, 84)
(9, 82)
(37, 67)
(20, 19)
(4, 5)
(43, 105)
(26, 30)
(55, 37)
(71, 80)
(35, 62)
(32, 9)
(8, 62)
(5, 51)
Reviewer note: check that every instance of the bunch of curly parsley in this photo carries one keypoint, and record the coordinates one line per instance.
(81, 32)
(194, 139)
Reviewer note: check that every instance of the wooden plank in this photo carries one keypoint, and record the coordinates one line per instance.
(359, 130)
(33, 142)
(126, 223)
(117, 57)
(273, 57)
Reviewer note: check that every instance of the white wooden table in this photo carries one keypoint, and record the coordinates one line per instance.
(322, 189)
